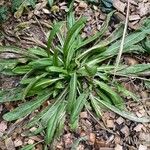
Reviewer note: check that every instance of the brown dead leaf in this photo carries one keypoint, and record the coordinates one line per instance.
(30, 141)
(80, 147)
(142, 147)
(84, 115)
(140, 113)
(117, 139)
(134, 17)
(138, 127)
(120, 120)
(106, 148)
(120, 6)
(39, 147)
(118, 147)
(2, 146)
(110, 123)
(130, 61)
(144, 137)
(3, 126)
(125, 131)
(18, 142)
(144, 94)
(68, 140)
(92, 138)
(144, 9)
(9, 144)
(82, 5)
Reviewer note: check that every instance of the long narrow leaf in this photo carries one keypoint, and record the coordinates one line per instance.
(116, 99)
(72, 92)
(71, 35)
(78, 105)
(99, 34)
(53, 32)
(124, 114)
(26, 108)
(30, 86)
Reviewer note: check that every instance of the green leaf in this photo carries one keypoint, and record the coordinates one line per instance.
(50, 2)
(92, 70)
(53, 122)
(56, 69)
(95, 106)
(134, 69)
(70, 19)
(40, 63)
(124, 114)
(7, 64)
(103, 96)
(147, 84)
(127, 93)
(61, 124)
(55, 58)
(11, 95)
(115, 98)
(117, 33)
(130, 40)
(26, 108)
(146, 44)
(76, 143)
(53, 32)
(20, 5)
(51, 127)
(22, 69)
(72, 45)
(32, 83)
(43, 83)
(38, 51)
(99, 34)
(71, 35)
(16, 50)
(3, 13)
(77, 107)
(28, 147)
(72, 92)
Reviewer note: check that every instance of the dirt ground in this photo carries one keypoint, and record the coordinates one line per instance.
(111, 132)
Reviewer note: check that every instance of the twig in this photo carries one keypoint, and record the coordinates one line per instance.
(122, 41)
(39, 23)
(102, 126)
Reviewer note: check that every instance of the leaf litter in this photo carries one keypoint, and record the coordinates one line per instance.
(91, 128)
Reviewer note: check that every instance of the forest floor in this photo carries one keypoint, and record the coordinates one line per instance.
(111, 132)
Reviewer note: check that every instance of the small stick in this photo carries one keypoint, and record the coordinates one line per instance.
(102, 126)
(122, 42)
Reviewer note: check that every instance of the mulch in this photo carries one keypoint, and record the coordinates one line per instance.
(111, 132)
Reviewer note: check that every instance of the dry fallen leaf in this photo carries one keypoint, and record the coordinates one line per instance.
(92, 138)
(83, 5)
(130, 61)
(68, 140)
(120, 6)
(144, 9)
(120, 120)
(134, 17)
(84, 115)
(118, 147)
(30, 141)
(142, 147)
(125, 131)
(9, 144)
(3, 126)
(18, 142)
(110, 123)
(138, 127)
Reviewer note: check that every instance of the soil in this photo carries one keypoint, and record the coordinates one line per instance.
(111, 132)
